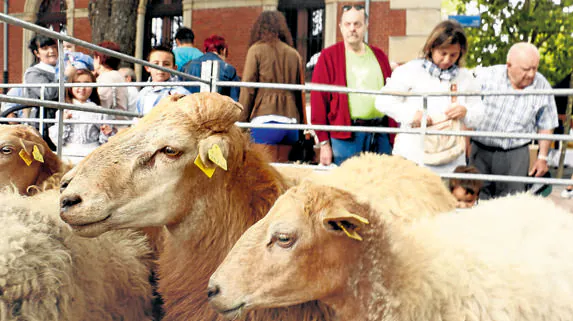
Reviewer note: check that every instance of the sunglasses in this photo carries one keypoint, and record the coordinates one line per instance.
(357, 7)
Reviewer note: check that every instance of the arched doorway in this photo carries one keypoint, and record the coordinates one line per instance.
(305, 19)
(52, 15)
(162, 19)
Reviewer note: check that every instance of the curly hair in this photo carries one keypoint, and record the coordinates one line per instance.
(269, 26)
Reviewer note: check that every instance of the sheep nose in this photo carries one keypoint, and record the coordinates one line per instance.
(212, 291)
(69, 201)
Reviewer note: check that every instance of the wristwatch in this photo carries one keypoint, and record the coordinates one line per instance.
(323, 143)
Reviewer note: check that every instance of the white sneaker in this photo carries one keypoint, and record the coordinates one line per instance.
(567, 193)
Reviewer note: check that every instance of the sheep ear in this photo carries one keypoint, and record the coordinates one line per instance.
(213, 153)
(344, 222)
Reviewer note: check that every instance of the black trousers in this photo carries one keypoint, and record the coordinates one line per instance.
(496, 161)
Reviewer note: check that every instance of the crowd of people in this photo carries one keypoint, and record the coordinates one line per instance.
(352, 63)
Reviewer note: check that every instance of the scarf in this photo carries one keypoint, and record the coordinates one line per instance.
(435, 71)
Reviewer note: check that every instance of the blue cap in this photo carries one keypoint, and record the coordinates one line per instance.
(80, 60)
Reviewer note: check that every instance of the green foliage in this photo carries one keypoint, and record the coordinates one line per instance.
(548, 24)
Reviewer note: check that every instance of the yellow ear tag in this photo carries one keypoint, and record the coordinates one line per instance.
(25, 157)
(208, 171)
(216, 156)
(37, 155)
(353, 235)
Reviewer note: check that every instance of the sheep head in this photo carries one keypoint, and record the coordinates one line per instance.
(304, 249)
(25, 158)
(143, 176)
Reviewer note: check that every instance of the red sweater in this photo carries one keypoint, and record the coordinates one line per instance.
(330, 108)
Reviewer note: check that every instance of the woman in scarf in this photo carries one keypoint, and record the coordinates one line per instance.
(439, 70)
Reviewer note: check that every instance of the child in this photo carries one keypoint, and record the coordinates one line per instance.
(80, 139)
(149, 96)
(466, 191)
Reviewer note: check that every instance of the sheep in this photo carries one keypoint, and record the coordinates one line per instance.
(26, 161)
(507, 259)
(49, 273)
(158, 173)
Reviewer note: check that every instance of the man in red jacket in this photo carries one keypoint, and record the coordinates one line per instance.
(353, 64)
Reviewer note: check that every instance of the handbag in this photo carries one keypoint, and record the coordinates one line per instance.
(443, 149)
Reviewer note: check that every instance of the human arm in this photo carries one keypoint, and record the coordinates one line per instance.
(235, 91)
(402, 109)
(475, 109)
(540, 166)
(320, 100)
(250, 74)
(36, 76)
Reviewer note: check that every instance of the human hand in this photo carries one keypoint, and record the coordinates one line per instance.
(106, 129)
(68, 114)
(417, 121)
(456, 111)
(539, 168)
(325, 155)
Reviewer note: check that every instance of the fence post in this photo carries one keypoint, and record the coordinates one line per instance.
(215, 76)
(423, 122)
(206, 71)
(41, 110)
(61, 99)
(566, 129)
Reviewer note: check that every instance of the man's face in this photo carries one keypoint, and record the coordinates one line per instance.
(164, 59)
(521, 70)
(353, 26)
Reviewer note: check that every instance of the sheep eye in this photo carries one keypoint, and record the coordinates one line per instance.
(171, 152)
(6, 150)
(284, 240)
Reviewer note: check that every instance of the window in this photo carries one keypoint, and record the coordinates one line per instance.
(52, 15)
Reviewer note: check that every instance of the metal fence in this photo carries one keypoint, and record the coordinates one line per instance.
(209, 82)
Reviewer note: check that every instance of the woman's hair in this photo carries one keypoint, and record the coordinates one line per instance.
(447, 33)
(94, 97)
(40, 41)
(269, 26)
(108, 61)
(215, 43)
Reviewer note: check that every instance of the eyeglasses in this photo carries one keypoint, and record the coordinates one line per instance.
(357, 7)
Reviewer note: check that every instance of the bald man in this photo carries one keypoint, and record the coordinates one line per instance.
(513, 114)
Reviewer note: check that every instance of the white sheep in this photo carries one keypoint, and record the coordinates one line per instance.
(509, 259)
(48, 273)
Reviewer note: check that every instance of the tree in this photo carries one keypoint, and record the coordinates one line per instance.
(548, 24)
(114, 20)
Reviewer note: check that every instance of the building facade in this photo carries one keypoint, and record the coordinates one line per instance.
(399, 27)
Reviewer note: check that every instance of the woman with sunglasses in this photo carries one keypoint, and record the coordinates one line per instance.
(438, 70)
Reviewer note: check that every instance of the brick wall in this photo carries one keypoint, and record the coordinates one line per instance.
(234, 24)
(83, 31)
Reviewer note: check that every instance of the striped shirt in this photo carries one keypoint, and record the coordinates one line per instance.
(514, 114)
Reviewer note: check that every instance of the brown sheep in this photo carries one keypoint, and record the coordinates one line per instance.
(147, 176)
(508, 259)
(18, 166)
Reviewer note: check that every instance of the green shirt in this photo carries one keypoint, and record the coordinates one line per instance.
(363, 72)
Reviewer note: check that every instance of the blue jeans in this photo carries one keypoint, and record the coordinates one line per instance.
(343, 149)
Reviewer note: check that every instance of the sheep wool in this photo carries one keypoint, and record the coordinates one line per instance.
(48, 273)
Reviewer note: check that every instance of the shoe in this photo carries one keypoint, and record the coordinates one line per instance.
(567, 193)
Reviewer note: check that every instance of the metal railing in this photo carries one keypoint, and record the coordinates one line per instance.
(209, 82)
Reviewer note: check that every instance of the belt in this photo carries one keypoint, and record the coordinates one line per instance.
(497, 149)
(375, 122)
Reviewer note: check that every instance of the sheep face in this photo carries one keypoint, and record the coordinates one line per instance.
(18, 165)
(141, 177)
(297, 253)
